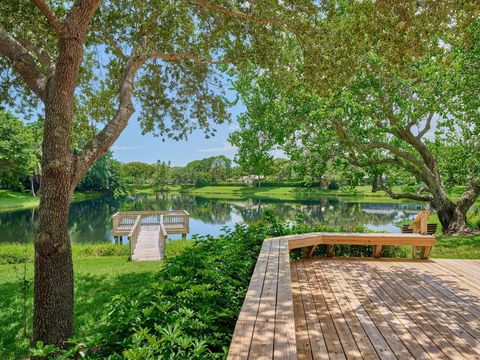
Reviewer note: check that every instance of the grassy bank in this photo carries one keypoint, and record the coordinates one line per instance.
(285, 193)
(99, 277)
(14, 200)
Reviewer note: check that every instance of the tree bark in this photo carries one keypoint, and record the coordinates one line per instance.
(53, 280)
(32, 184)
(53, 290)
(452, 218)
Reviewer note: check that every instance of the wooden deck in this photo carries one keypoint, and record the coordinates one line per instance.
(345, 308)
(386, 309)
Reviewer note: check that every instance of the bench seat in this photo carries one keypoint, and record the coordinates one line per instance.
(312, 240)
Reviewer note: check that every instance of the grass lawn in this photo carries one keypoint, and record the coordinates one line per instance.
(97, 280)
(457, 247)
(284, 193)
(221, 192)
(12, 200)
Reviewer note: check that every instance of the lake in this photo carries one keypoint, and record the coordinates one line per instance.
(90, 221)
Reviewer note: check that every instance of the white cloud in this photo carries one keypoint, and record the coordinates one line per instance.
(226, 148)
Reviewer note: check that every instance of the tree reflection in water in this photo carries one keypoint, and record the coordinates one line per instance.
(90, 221)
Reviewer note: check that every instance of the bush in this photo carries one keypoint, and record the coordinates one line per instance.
(191, 312)
(333, 185)
(15, 253)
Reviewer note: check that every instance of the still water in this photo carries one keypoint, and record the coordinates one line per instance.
(90, 221)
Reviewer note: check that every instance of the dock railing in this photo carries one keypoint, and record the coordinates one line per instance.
(129, 223)
(133, 234)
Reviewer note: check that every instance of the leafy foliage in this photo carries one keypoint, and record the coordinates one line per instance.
(104, 176)
(17, 150)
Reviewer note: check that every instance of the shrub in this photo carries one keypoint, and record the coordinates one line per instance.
(191, 312)
(333, 185)
(19, 253)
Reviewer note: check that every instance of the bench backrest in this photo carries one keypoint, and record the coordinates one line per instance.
(431, 229)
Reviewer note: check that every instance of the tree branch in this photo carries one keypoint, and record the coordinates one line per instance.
(80, 14)
(23, 63)
(470, 195)
(397, 196)
(52, 19)
(112, 130)
(427, 127)
(107, 136)
(40, 53)
(185, 55)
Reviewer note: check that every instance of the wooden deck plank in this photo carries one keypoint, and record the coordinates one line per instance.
(420, 317)
(301, 332)
(333, 344)
(398, 337)
(252, 298)
(349, 345)
(445, 325)
(379, 343)
(352, 316)
(444, 307)
(417, 332)
(315, 334)
(452, 297)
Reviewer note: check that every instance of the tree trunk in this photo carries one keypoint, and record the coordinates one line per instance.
(452, 218)
(53, 293)
(53, 280)
(32, 184)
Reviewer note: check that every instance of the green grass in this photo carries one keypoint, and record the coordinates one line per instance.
(357, 194)
(14, 200)
(97, 280)
(360, 193)
(457, 247)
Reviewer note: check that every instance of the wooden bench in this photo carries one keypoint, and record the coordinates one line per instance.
(312, 240)
(431, 229)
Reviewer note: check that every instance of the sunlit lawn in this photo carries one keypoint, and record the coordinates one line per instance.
(11, 200)
(97, 280)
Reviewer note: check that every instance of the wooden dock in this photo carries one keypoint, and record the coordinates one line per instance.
(147, 231)
(343, 308)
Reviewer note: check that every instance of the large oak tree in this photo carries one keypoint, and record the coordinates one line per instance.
(397, 82)
(88, 63)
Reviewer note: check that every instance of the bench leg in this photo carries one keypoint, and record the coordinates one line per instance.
(426, 252)
(314, 247)
(377, 251)
(330, 250)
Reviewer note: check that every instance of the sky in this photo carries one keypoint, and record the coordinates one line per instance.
(133, 146)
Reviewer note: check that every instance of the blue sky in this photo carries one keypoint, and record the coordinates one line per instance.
(133, 146)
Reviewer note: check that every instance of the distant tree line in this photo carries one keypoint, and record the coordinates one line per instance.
(21, 154)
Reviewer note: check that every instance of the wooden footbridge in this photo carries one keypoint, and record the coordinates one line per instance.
(147, 231)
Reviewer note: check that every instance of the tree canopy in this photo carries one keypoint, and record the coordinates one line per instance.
(394, 92)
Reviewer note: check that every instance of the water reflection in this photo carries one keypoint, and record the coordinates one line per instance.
(90, 221)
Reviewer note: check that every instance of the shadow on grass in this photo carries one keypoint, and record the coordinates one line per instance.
(92, 294)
